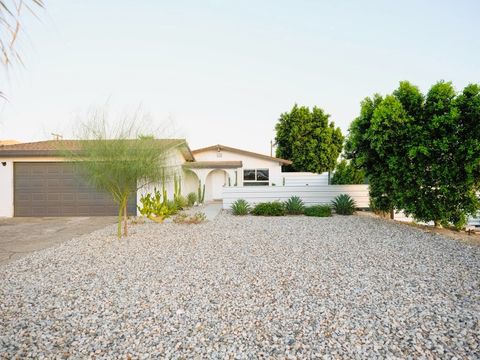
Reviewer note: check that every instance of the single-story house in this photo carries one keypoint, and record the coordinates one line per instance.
(35, 180)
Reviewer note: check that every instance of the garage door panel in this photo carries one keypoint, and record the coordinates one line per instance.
(57, 189)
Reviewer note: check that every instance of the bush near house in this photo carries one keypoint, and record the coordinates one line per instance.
(240, 207)
(318, 210)
(420, 151)
(191, 199)
(294, 206)
(344, 205)
(274, 208)
(155, 208)
(347, 174)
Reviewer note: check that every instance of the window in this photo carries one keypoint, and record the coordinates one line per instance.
(252, 177)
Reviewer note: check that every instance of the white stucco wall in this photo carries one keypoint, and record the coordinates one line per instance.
(174, 163)
(249, 162)
(6, 189)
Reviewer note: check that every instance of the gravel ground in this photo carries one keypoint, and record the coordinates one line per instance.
(246, 287)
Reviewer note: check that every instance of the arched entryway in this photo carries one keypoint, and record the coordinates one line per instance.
(214, 183)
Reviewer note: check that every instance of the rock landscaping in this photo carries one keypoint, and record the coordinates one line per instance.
(246, 287)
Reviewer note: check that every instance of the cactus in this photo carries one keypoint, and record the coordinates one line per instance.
(201, 193)
(177, 187)
(164, 194)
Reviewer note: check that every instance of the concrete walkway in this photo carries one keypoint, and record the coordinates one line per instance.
(211, 210)
(22, 236)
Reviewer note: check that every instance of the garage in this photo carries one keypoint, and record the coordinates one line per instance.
(57, 189)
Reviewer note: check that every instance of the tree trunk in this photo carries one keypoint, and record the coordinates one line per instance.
(119, 225)
(392, 214)
(125, 218)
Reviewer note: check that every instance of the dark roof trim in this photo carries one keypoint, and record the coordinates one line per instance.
(219, 147)
(54, 148)
(213, 165)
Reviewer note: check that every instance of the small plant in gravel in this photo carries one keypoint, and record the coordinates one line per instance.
(294, 206)
(344, 205)
(153, 207)
(274, 208)
(318, 210)
(184, 218)
(181, 202)
(191, 199)
(240, 207)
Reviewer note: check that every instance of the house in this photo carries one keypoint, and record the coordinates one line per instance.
(219, 165)
(35, 180)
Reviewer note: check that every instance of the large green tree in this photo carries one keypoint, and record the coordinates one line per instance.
(346, 173)
(421, 153)
(308, 139)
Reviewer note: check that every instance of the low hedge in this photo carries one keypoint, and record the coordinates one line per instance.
(274, 208)
(318, 210)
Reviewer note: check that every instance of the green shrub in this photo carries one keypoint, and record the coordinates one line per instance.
(172, 207)
(191, 199)
(344, 205)
(274, 208)
(294, 206)
(240, 207)
(346, 173)
(153, 207)
(180, 202)
(318, 210)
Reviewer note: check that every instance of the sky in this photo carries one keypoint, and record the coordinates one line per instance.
(224, 71)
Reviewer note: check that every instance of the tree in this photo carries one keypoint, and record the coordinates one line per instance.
(123, 162)
(346, 173)
(10, 27)
(308, 139)
(420, 153)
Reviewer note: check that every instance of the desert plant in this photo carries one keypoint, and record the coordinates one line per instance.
(153, 207)
(181, 202)
(318, 210)
(122, 161)
(344, 205)
(201, 193)
(177, 187)
(172, 207)
(240, 207)
(274, 208)
(191, 199)
(184, 218)
(294, 206)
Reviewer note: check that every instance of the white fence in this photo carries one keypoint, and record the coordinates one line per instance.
(311, 195)
(309, 179)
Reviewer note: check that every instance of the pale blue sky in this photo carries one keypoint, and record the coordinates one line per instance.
(225, 70)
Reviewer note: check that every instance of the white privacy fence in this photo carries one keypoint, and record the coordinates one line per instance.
(311, 195)
(308, 179)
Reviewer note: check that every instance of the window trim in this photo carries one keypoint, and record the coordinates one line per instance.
(256, 182)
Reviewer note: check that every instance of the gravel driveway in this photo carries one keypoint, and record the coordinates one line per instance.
(246, 287)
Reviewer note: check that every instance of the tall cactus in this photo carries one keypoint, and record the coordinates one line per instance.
(201, 192)
(177, 187)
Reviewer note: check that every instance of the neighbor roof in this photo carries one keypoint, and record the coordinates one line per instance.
(219, 147)
(55, 147)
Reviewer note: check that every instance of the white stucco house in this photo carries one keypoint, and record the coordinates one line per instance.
(35, 180)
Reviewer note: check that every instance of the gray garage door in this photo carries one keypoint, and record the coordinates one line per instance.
(56, 189)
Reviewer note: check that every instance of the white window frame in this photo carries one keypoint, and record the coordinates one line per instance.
(256, 182)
